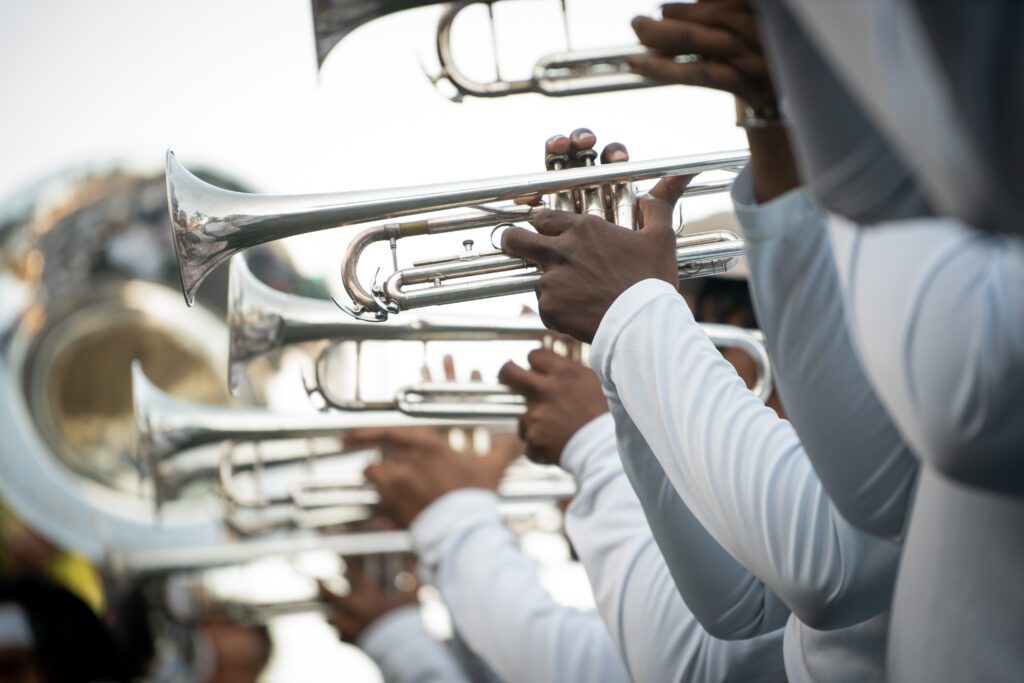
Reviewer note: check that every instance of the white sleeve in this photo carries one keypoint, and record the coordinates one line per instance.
(856, 450)
(496, 600)
(405, 653)
(737, 466)
(655, 632)
(937, 314)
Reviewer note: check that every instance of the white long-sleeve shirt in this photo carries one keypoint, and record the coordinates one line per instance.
(512, 623)
(737, 466)
(406, 653)
(653, 629)
(936, 312)
(496, 600)
(855, 448)
(728, 599)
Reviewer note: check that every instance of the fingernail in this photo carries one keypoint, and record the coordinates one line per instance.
(637, 20)
(619, 155)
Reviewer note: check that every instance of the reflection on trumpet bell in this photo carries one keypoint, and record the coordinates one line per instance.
(210, 224)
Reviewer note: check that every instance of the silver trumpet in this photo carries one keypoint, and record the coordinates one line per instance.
(210, 224)
(574, 72)
(168, 427)
(318, 502)
(262, 319)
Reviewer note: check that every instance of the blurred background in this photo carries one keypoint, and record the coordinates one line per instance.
(94, 94)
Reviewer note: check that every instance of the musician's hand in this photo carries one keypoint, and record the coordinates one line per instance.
(562, 396)
(588, 262)
(366, 602)
(580, 140)
(419, 466)
(723, 33)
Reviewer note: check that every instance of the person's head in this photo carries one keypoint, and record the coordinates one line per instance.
(727, 301)
(49, 635)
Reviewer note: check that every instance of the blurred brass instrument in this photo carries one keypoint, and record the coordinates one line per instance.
(210, 224)
(169, 429)
(571, 72)
(262, 320)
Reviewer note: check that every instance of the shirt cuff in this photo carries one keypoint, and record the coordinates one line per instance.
(783, 215)
(390, 632)
(629, 304)
(586, 445)
(436, 528)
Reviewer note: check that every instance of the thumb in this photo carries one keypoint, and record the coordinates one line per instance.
(656, 207)
(670, 188)
(656, 214)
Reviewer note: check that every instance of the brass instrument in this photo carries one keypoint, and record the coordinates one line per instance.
(210, 224)
(571, 72)
(261, 320)
(169, 429)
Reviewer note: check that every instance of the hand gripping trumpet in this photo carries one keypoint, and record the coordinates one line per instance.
(169, 429)
(262, 320)
(210, 224)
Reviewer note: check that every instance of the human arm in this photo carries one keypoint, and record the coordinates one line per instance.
(936, 311)
(856, 449)
(492, 589)
(497, 603)
(387, 626)
(405, 652)
(737, 466)
(655, 630)
(567, 423)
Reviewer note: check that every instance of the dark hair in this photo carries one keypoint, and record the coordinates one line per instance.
(71, 642)
(721, 300)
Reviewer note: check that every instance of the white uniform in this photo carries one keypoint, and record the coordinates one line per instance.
(654, 630)
(855, 448)
(406, 653)
(743, 473)
(512, 623)
(936, 311)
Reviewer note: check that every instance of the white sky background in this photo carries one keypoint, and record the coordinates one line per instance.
(233, 85)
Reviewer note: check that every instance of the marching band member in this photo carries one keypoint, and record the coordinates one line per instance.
(836, 576)
(793, 278)
(900, 283)
(492, 589)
